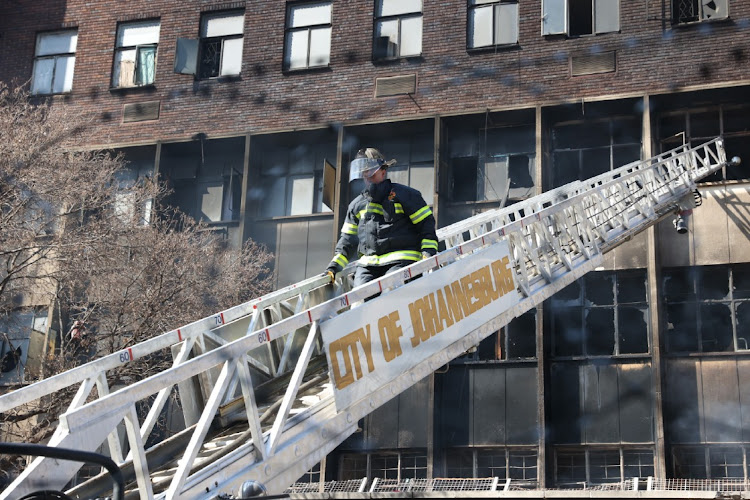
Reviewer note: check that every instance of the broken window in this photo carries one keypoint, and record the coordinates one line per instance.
(16, 331)
(206, 177)
(692, 11)
(583, 150)
(308, 36)
(580, 17)
(590, 466)
(135, 54)
(55, 57)
(706, 308)
(516, 340)
(292, 179)
(695, 127)
(492, 22)
(398, 29)
(604, 313)
(219, 50)
(139, 168)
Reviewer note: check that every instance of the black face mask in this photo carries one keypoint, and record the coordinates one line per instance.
(379, 191)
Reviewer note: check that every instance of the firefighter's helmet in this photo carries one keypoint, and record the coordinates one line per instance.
(366, 163)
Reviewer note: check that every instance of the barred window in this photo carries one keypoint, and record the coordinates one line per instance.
(590, 466)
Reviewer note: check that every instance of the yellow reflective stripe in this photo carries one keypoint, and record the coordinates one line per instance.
(370, 260)
(429, 244)
(399, 208)
(349, 228)
(376, 208)
(420, 214)
(361, 213)
(340, 260)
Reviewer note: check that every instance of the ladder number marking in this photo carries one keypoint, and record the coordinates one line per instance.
(263, 336)
(126, 355)
(219, 319)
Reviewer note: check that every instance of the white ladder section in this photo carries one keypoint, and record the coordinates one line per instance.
(547, 242)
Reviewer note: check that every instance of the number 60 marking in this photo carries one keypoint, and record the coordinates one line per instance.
(124, 357)
(263, 337)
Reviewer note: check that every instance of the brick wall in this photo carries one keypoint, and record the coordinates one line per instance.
(650, 59)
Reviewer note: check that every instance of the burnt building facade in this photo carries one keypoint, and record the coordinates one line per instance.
(641, 368)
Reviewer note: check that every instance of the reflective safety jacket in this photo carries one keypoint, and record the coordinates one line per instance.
(397, 229)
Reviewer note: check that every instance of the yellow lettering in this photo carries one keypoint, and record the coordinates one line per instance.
(443, 312)
(418, 322)
(346, 346)
(485, 276)
(468, 286)
(457, 301)
(503, 275)
(390, 332)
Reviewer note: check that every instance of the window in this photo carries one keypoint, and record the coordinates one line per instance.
(54, 59)
(308, 36)
(691, 11)
(492, 22)
(394, 465)
(580, 17)
(398, 29)
(707, 308)
(16, 330)
(709, 462)
(696, 126)
(518, 464)
(220, 51)
(135, 54)
(515, 341)
(602, 314)
(590, 466)
(583, 150)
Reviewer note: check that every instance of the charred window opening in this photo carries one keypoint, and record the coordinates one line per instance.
(206, 178)
(706, 308)
(580, 17)
(692, 11)
(517, 464)
(587, 466)
(602, 314)
(395, 465)
(696, 126)
(583, 150)
(515, 341)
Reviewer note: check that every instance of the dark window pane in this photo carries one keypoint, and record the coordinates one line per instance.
(353, 467)
(595, 162)
(522, 337)
(600, 332)
(738, 146)
(631, 287)
(600, 288)
(571, 467)
(670, 125)
(568, 331)
(736, 120)
(742, 319)
(626, 131)
(638, 463)
(682, 331)
(632, 327)
(490, 349)
(569, 296)
(519, 172)
(741, 281)
(522, 465)
(605, 466)
(713, 282)
(464, 177)
(210, 58)
(385, 466)
(583, 135)
(679, 284)
(413, 466)
(491, 463)
(622, 155)
(459, 463)
(716, 328)
(581, 17)
(705, 125)
(725, 463)
(566, 165)
(690, 463)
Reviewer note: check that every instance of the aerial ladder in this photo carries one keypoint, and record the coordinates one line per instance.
(280, 381)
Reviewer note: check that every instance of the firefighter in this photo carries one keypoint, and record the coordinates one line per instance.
(388, 226)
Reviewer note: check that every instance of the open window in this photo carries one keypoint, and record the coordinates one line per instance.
(693, 11)
(135, 54)
(218, 52)
(580, 17)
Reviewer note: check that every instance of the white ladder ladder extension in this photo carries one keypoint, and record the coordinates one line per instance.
(553, 239)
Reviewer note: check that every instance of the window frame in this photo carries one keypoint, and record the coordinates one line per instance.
(563, 28)
(137, 48)
(587, 466)
(55, 57)
(310, 28)
(401, 456)
(205, 40)
(473, 5)
(378, 19)
(699, 17)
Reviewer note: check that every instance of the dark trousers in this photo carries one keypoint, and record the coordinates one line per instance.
(365, 274)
